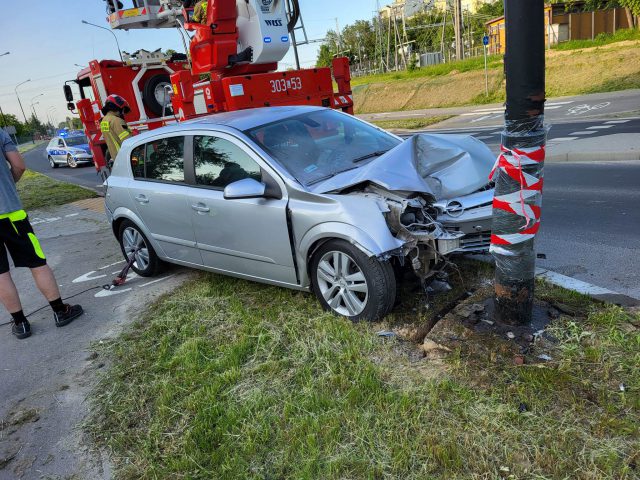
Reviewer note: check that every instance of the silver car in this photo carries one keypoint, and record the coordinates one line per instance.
(301, 197)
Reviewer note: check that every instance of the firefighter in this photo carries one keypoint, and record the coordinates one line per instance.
(113, 126)
(200, 12)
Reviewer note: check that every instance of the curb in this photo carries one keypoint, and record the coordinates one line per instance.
(588, 289)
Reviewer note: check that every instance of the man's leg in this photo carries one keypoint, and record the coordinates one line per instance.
(9, 294)
(11, 301)
(46, 282)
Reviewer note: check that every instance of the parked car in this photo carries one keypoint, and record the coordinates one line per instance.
(72, 150)
(301, 197)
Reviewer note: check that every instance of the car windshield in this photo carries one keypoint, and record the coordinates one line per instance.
(318, 145)
(75, 141)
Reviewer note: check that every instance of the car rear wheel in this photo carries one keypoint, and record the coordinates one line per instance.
(133, 241)
(350, 284)
(71, 162)
(52, 163)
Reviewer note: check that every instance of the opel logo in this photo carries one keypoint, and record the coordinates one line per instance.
(267, 3)
(454, 209)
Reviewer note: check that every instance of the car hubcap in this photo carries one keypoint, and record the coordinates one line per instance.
(133, 241)
(71, 161)
(51, 162)
(342, 284)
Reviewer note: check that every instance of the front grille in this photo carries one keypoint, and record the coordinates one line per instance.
(476, 242)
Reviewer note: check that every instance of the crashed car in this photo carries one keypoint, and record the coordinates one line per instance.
(301, 197)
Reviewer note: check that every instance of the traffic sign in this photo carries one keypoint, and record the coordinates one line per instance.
(485, 40)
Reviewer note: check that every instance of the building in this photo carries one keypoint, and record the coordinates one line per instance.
(412, 7)
(562, 24)
(467, 5)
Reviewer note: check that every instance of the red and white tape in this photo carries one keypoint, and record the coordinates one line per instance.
(525, 202)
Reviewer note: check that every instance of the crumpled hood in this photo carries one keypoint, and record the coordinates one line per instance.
(441, 165)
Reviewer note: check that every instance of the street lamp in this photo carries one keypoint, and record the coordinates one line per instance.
(33, 110)
(5, 53)
(19, 102)
(78, 65)
(111, 32)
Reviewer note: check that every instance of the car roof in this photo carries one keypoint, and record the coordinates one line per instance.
(240, 119)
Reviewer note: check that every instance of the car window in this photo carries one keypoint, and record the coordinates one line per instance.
(75, 141)
(219, 162)
(159, 160)
(317, 145)
(61, 143)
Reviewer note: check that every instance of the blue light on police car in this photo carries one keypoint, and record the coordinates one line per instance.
(284, 39)
(267, 39)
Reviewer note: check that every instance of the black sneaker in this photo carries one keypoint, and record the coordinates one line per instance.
(68, 315)
(21, 330)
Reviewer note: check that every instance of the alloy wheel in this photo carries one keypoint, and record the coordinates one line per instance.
(342, 284)
(71, 161)
(133, 241)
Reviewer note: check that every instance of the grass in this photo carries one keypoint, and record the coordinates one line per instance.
(224, 378)
(39, 191)
(600, 40)
(608, 63)
(411, 124)
(27, 147)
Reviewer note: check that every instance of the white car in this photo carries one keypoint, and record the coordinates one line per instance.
(72, 150)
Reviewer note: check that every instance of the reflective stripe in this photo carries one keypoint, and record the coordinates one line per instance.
(14, 216)
(36, 245)
(104, 126)
(124, 135)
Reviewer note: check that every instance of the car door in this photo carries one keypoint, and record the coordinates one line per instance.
(249, 236)
(56, 150)
(159, 192)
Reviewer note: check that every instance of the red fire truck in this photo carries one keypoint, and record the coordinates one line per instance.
(231, 65)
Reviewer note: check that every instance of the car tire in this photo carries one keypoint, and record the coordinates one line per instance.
(71, 162)
(147, 263)
(151, 89)
(363, 288)
(52, 163)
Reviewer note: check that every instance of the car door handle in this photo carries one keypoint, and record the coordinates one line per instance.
(201, 208)
(142, 199)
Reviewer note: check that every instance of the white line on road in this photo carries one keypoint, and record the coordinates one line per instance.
(559, 103)
(71, 215)
(598, 127)
(617, 121)
(156, 281)
(562, 139)
(584, 132)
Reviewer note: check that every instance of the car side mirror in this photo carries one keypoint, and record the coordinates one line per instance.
(246, 188)
(68, 94)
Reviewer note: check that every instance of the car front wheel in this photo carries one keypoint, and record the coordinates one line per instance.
(52, 163)
(71, 162)
(133, 241)
(350, 284)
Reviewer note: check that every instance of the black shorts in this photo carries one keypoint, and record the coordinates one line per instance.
(16, 236)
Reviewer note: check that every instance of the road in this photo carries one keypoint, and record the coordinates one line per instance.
(85, 176)
(610, 105)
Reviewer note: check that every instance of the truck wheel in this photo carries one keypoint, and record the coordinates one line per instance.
(350, 284)
(155, 94)
(52, 163)
(147, 263)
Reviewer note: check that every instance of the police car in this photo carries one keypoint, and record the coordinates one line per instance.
(71, 149)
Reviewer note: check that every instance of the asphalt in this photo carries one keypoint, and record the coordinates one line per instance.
(558, 110)
(591, 224)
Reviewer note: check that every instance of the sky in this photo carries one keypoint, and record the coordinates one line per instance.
(47, 44)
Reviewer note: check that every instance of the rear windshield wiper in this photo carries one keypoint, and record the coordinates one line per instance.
(370, 155)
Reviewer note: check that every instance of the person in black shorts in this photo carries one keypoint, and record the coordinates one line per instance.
(17, 238)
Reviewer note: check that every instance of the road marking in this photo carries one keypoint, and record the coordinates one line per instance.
(486, 117)
(111, 265)
(561, 103)
(484, 137)
(547, 107)
(156, 281)
(598, 127)
(71, 215)
(87, 277)
(109, 293)
(617, 121)
(584, 132)
(562, 139)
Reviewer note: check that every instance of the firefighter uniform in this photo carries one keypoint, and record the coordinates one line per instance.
(115, 131)
(200, 12)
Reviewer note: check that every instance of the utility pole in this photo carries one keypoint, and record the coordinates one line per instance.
(457, 26)
(518, 194)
